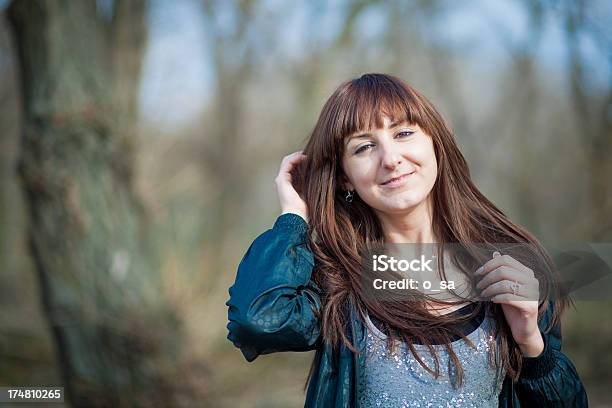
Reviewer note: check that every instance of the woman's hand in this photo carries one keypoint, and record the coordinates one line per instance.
(514, 286)
(290, 200)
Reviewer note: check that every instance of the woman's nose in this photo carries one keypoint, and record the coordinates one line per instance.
(391, 158)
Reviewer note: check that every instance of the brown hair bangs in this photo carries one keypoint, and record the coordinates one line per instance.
(361, 105)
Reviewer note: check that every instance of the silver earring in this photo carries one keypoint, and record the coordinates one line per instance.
(349, 196)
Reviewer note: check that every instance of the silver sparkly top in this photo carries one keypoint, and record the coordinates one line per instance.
(398, 380)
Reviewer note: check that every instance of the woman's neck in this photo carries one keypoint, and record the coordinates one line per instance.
(410, 227)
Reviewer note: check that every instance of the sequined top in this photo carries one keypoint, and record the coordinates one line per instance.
(398, 380)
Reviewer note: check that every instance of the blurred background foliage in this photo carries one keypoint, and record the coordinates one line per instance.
(140, 139)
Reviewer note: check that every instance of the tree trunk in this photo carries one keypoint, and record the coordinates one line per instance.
(88, 232)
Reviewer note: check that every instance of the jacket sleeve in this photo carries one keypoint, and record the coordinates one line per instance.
(272, 303)
(550, 379)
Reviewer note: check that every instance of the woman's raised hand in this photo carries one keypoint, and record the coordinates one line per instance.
(514, 286)
(290, 200)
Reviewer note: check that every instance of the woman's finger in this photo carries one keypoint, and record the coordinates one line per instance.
(522, 291)
(516, 301)
(288, 164)
(502, 260)
(293, 156)
(502, 273)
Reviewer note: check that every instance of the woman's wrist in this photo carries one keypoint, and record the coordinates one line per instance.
(533, 347)
(297, 212)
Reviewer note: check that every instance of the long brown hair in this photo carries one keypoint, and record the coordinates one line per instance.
(340, 232)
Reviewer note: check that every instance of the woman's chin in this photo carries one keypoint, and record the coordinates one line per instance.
(400, 207)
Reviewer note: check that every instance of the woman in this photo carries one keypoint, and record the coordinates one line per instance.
(382, 167)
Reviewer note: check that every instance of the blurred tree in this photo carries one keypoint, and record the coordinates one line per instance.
(232, 57)
(593, 108)
(89, 232)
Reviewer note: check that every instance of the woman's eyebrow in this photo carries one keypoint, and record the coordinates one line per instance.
(358, 136)
(364, 135)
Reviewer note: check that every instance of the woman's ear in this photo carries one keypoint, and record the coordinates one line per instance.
(346, 184)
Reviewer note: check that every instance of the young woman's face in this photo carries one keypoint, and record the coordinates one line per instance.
(392, 169)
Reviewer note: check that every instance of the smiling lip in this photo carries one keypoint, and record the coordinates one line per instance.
(398, 181)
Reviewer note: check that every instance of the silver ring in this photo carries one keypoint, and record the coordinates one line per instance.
(515, 286)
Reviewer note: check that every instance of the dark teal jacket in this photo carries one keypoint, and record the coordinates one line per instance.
(271, 309)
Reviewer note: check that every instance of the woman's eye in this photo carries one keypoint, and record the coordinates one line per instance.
(405, 133)
(363, 148)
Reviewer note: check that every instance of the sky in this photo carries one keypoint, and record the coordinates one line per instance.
(177, 80)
